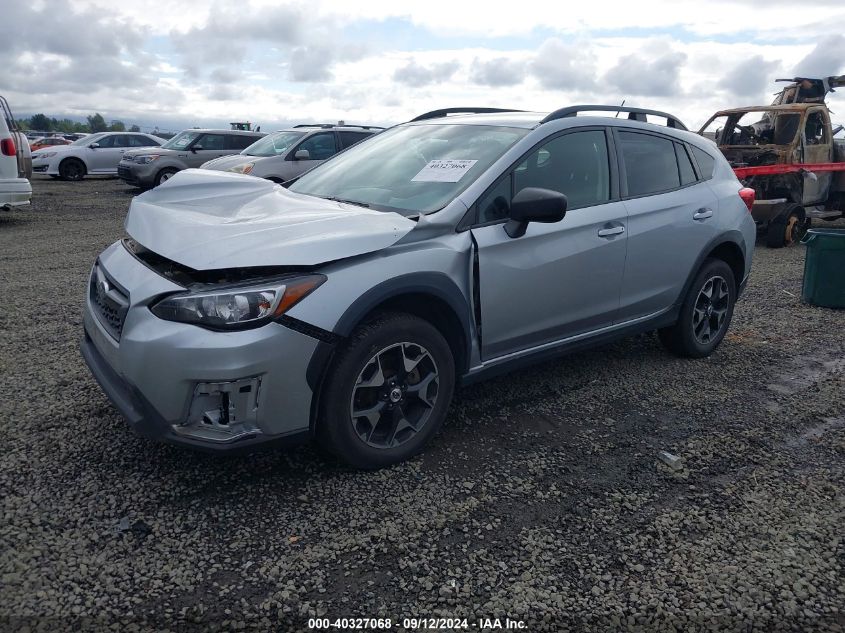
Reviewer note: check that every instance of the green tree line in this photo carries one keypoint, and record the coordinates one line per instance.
(96, 123)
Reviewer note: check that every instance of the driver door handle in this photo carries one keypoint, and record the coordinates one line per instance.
(610, 231)
(702, 214)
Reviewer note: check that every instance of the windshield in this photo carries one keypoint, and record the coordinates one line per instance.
(412, 169)
(753, 128)
(273, 144)
(181, 140)
(87, 140)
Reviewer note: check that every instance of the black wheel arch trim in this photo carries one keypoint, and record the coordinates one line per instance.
(734, 238)
(438, 285)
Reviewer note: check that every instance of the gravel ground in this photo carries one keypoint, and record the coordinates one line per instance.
(542, 500)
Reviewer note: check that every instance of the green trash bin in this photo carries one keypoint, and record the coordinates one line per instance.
(824, 268)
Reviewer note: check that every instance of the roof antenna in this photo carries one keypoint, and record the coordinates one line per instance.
(621, 105)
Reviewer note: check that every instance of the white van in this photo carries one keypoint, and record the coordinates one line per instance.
(15, 161)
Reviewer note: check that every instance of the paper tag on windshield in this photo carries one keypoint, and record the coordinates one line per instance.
(446, 170)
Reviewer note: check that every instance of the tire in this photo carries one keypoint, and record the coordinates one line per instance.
(687, 337)
(164, 175)
(404, 410)
(72, 169)
(788, 228)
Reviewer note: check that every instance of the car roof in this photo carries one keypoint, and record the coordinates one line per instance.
(505, 119)
(531, 120)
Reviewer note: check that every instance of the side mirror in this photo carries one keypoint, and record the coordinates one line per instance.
(197, 148)
(302, 154)
(94, 145)
(533, 204)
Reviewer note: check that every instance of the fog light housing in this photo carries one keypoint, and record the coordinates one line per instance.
(223, 411)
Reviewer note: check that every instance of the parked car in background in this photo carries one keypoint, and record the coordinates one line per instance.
(286, 154)
(348, 305)
(96, 154)
(50, 141)
(15, 161)
(190, 148)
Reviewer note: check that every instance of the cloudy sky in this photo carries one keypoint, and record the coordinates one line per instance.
(177, 63)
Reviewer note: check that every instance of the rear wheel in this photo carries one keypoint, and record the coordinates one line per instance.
(72, 169)
(788, 228)
(387, 393)
(705, 314)
(165, 174)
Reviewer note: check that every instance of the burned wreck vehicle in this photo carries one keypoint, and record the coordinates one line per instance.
(788, 154)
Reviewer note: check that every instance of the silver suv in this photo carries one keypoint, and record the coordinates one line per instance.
(348, 306)
(286, 154)
(151, 166)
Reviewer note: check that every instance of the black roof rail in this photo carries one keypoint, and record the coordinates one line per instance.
(634, 114)
(436, 114)
(331, 125)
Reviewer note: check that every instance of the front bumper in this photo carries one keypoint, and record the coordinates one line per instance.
(45, 166)
(182, 384)
(137, 174)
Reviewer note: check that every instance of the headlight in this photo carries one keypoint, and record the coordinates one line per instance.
(235, 308)
(44, 155)
(146, 159)
(242, 169)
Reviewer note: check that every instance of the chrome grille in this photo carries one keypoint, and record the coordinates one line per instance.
(108, 301)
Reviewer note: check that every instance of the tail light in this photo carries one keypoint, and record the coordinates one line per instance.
(748, 195)
(7, 146)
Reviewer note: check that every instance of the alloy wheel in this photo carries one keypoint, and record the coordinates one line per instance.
(394, 395)
(72, 170)
(711, 309)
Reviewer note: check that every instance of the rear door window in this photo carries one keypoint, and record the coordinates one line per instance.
(240, 141)
(650, 163)
(348, 139)
(706, 163)
(140, 141)
(684, 165)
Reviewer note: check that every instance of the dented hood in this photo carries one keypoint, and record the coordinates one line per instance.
(209, 220)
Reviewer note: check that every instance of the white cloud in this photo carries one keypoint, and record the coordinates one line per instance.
(282, 62)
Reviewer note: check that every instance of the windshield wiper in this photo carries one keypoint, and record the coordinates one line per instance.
(355, 202)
